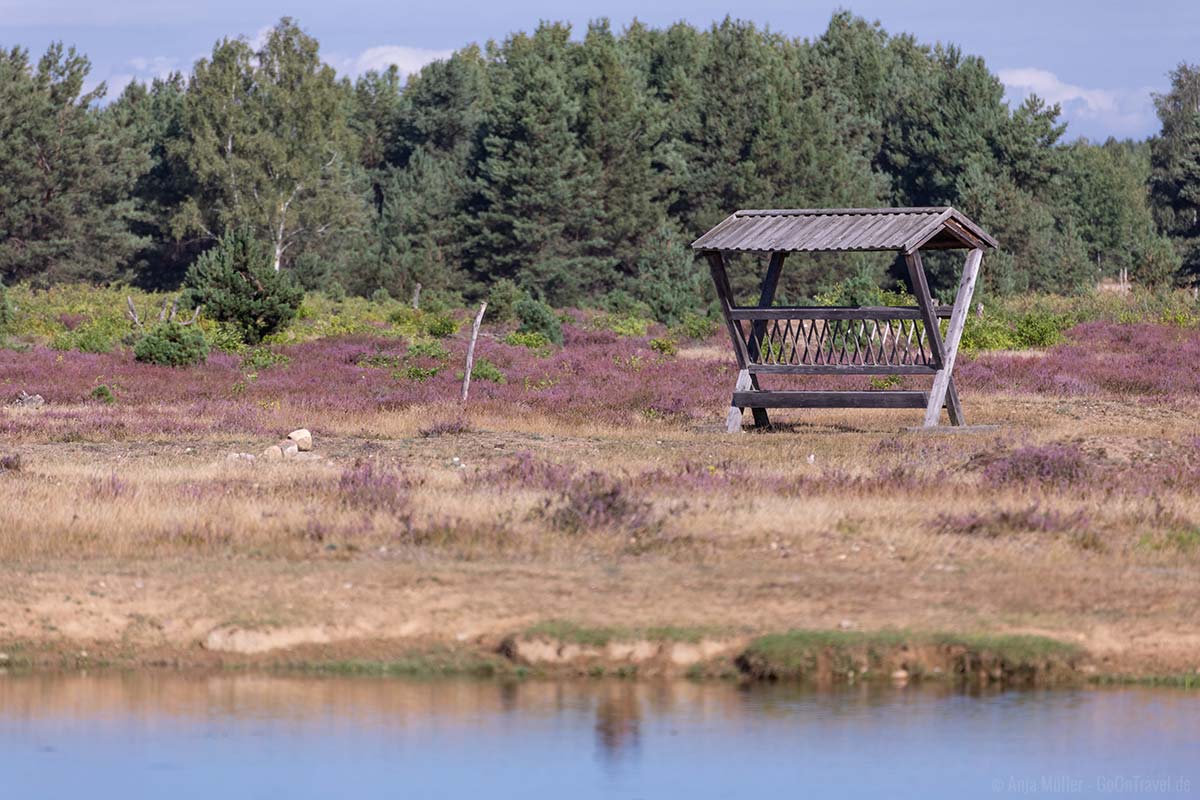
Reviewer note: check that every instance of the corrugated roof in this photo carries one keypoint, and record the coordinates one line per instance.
(840, 229)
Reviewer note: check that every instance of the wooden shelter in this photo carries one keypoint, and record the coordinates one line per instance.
(830, 340)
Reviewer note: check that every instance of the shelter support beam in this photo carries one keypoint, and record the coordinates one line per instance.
(958, 320)
(933, 333)
(716, 266)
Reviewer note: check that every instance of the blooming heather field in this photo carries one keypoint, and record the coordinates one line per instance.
(591, 483)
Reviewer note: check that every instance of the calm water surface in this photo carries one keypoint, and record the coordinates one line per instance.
(247, 736)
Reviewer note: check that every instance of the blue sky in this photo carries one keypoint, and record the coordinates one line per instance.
(1101, 60)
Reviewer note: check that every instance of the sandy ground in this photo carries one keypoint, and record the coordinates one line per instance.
(741, 562)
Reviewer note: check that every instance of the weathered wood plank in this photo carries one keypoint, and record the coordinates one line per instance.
(835, 312)
(795, 399)
(716, 265)
(840, 369)
(958, 320)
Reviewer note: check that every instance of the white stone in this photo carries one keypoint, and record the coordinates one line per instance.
(289, 448)
(273, 453)
(239, 457)
(302, 438)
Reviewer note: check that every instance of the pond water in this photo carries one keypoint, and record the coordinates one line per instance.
(166, 736)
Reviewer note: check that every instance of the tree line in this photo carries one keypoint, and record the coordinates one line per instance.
(578, 169)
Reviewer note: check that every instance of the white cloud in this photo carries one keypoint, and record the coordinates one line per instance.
(407, 59)
(1095, 113)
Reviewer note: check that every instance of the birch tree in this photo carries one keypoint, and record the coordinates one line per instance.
(270, 144)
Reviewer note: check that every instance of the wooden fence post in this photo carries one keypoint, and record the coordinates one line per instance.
(471, 349)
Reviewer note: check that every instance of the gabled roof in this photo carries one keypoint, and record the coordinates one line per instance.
(840, 229)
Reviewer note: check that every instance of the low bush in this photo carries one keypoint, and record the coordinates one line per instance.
(665, 345)
(628, 325)
(235, 282)
(502, 300)
(484, 370)
(103, 394)
(260, 358)
(695, 326)
(537, 317)
(534, 340)
(439, 326)
(428, 349)
(172, 344)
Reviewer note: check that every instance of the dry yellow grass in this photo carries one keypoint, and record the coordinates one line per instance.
(844, 519)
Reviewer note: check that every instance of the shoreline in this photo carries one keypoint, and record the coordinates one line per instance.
(560, 650)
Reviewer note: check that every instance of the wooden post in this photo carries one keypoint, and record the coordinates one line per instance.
(470, 348)
(716, 265)
(416, 295)
(933, 331)
(759, 329)
(733, 420)
(958, 320)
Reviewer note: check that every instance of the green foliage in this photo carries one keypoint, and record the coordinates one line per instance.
(502, 300)
(439, 326)
(270, 146)
(7, 313)
(534, 340)
(485, 370)
(428, 349)
(234, 282)
(101, 335)
(256, 359)
(103, 394)
(1175, 164)
(417, 373)
(171, 344)
(862, 290)
(622, 324)
(665, 345)
(694, 326)
(537, 317)
(67, 173)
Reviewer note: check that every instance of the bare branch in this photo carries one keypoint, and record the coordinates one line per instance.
(133, 315)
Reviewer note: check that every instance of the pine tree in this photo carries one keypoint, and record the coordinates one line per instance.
(537, 219)
(1175, 159)
(66, 174)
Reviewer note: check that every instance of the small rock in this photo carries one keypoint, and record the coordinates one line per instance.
(239, 457)
(812, 458)
(3, 658)
(29, 400)
(273, 453)
(845, 624)
(900, 676)
(302, 438)
(288, 448)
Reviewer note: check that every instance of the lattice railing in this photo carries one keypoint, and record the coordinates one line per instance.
(818, 342)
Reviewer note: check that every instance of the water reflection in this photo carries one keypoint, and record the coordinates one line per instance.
(305, 737)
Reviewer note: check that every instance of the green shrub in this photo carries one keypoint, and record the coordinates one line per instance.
(484, 370)
(223, 336)
(6, 310)
(665, 345)
(103, 394)
(428, 349)
(235, 282)
(419, 374)
(695, 326)
(537, 317)
(1039, 329)
(381, 296)
(623, 324)
(502, 300)
(534, 340)
(260, 358)
(987, 333)
(100, 336)
(173, 345)
(439, 326)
